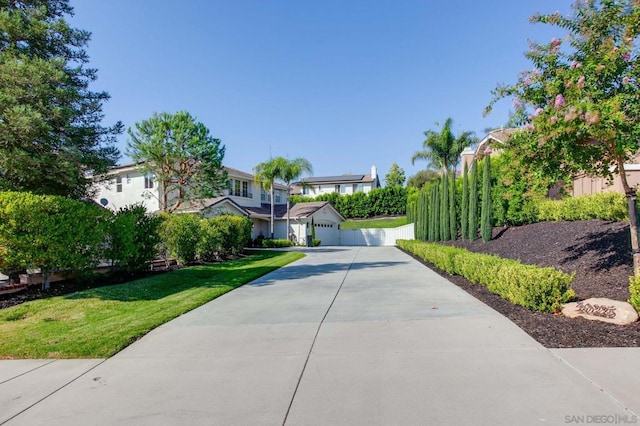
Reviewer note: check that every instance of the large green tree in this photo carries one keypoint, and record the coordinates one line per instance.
(442, 149)
(395, 176)
(184, 158)
(290, 171)
(51, 134)
(580, 102)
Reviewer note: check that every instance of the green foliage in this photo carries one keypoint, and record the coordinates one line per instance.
(464, 214)
(605, 205)
(51, 233)
(50, 130)
(315, 242)
(422, 178)
(184, 159)
(387, 201)
(442, 149)
(222, 236)
(453, 219)
(275, 243)
(634, 290)
(435, 213)
(180, 234)
(486, 214)
(133, 239)
(395, 177)
(444, 209)
(473, 202)
(383, 222)
(540, 289)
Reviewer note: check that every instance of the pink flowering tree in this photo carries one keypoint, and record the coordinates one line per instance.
(580, 104)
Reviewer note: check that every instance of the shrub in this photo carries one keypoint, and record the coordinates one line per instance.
(634, 289)
(235, 233)
(605, 205)
(276, 243)
(180, 235)
(316, 242)
(540, 289)
(133, 238)
(51, 233)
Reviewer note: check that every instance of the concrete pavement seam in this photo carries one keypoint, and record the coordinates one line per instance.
(51, 393)
(602, 389)
(27, 372)
(315, 337)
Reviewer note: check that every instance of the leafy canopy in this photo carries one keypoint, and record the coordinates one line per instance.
(395, 176)
(442, 149)
(580, 102)
(185, 159)
(50, 121)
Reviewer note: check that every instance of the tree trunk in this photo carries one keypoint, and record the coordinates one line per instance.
(633, 217)
(272, 212)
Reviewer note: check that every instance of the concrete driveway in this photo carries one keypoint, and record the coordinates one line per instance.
(345, 336)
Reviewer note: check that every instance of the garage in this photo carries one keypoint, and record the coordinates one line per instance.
(328, 233)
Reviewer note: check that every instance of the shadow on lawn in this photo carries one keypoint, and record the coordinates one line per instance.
(295, 272)
(608, 246)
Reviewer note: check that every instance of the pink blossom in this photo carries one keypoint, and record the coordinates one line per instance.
(580, 82)
(627, 57)
(625, 80)
(553, 119)
(539, 111)
(559, 102)
(575, 64)
(488, 151)
(529, 126)
(571, 115)
(592, 117)
(555, 42)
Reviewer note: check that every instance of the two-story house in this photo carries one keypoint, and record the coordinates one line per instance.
(126, 185)
(344, 184)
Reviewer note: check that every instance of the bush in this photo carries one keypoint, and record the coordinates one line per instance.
(634, 289)
(179, 234)
(50, 233)
(133, 239)
(276, 243)
(605, 205)
(234, 233)
(316, 242)
(540, 289)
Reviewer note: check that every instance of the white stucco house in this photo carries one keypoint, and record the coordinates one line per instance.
(343, 184)
(125, 185)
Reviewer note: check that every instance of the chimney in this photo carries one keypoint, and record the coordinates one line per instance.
(374, 172)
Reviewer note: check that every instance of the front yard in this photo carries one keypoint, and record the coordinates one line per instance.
(99, 322)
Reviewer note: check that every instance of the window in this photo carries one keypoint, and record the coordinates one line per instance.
(237, 188)
(245, 189)
(357, 187)
(278, 195)
(118, 183)
(148, 181)
(265, 196)
(343, 189)
(305, 190)
(337, 189)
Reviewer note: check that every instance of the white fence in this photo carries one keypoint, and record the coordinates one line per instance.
(376, 236)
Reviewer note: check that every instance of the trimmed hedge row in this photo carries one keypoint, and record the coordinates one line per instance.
(540, 289)
(605, 205)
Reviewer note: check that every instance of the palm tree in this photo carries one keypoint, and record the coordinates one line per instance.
(442, 150)
(291, 171)
(265, 175)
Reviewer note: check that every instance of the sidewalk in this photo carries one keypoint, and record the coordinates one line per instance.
(345, 336)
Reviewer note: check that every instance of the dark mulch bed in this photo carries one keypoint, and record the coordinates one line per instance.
(600, 254)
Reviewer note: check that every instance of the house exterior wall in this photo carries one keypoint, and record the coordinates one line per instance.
(127, 187)
(342, 188)
(587, 185)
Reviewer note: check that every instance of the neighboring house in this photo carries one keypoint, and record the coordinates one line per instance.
(494, 140)
(126, 185)
(345, 184)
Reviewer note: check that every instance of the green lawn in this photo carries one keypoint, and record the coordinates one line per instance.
(393, 222)
(98, 323)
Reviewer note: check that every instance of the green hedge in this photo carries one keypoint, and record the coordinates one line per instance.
(274, 243)
(634, 289)
(605, 205)
(540, 289)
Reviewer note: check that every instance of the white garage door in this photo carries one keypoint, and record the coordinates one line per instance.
(328, 233)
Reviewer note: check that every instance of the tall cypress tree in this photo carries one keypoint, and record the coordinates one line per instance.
(473, 201)
(453, 223)
(485, 221)
(425, 215)
(464, 215)
(444, 208)
(436, 214)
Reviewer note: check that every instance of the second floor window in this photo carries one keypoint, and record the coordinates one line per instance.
(245, 189)
(148, 181)
(119, 184)
(237, 188)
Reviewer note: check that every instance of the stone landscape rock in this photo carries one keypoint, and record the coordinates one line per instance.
(602, 309)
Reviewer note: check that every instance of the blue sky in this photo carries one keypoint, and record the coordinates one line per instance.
(344, 84)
